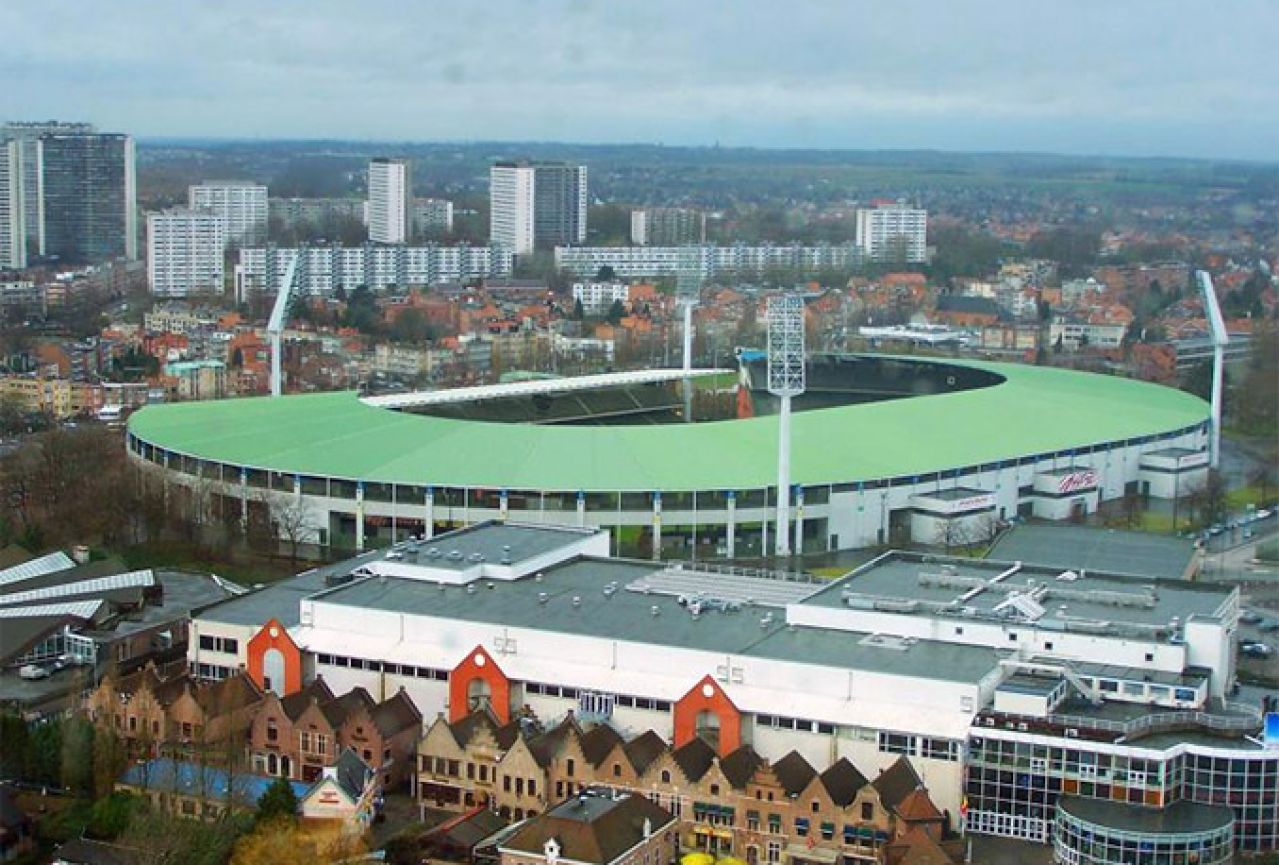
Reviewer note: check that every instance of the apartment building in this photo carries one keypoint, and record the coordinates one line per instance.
(185, 253)
(13, 230)
(668, 226)
(537, 205)
(596, 296)
(242, 206)
(893, 232)
(387, 212)
(431, 218)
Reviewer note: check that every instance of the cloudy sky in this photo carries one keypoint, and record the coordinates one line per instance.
(1131, 77)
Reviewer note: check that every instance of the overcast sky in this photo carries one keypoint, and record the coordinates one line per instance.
(1131, 77)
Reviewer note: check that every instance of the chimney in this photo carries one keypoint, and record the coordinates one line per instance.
(80, 554)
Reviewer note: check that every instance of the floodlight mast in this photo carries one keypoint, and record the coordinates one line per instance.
(688, 289)
(785, 380)
(1220, 339)
(275, 324)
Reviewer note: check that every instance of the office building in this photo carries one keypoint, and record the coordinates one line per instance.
(893, 232)
(537, 205)
(432, 218)
(185, 253)
(89, 197)
(667, 226)
(13, 235)
(27, 136)
(387, 207)
(241, 206)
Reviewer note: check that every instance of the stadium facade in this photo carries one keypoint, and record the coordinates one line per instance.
(936, 452)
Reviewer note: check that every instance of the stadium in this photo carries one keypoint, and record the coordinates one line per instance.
(885, 450)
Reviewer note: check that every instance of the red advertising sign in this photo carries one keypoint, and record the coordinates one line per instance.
(1076, 482)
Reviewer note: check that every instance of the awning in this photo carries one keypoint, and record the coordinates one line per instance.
(804, 853)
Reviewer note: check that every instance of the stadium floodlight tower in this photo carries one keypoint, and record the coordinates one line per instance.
(275, 324)
(1220, 339)
(785, 380)
(688, 288)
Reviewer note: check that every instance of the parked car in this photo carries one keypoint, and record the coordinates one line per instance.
(1255, 649)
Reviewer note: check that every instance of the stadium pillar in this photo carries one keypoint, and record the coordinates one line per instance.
(581, 509)
(798, 546)
(428, 530)
(503, 500)
(359, 516)
(657, 525)
(244, 499)
(731, 541)
(783, 477)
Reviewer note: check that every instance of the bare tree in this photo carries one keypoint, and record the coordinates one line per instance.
(293, 522)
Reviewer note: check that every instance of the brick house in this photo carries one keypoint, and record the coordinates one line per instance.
(598, 827)
(298, 735)
(179, 713)
(735, 804)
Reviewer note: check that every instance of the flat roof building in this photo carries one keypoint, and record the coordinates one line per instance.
(934, 658)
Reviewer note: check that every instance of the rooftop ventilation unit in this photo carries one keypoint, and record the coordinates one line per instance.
(543, 597)
(455, 555)
(577, 601)
(434, 552)
(655, 610)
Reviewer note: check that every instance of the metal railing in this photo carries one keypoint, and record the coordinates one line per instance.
(1242, 719)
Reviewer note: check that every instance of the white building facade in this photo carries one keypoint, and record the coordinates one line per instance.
(13, 232)
(324, 269)
(977, 672)
(511, 207)
(387, 208)
(596, 296)
(892, 232)
(242, 205)
(706, 261)
(185, 253)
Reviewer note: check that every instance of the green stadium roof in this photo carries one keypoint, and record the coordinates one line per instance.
(1034, 410)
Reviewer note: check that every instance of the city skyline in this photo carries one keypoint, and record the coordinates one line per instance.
(1137, 80)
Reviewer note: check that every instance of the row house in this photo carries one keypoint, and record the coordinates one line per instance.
(738, 804)
(297, 736)
(176, 714)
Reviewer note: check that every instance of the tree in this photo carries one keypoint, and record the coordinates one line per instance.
(606, 273)
(237, 358)
(279, 802)
(110, 815)
(283, 842)
(411, 326)
(1208, 501)
(292, 521)
(616, 312)
(579, 312)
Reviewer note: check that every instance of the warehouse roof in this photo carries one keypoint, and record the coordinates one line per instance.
(575, 598)
(1140, 554)
(900, 578)
(1033, 410)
